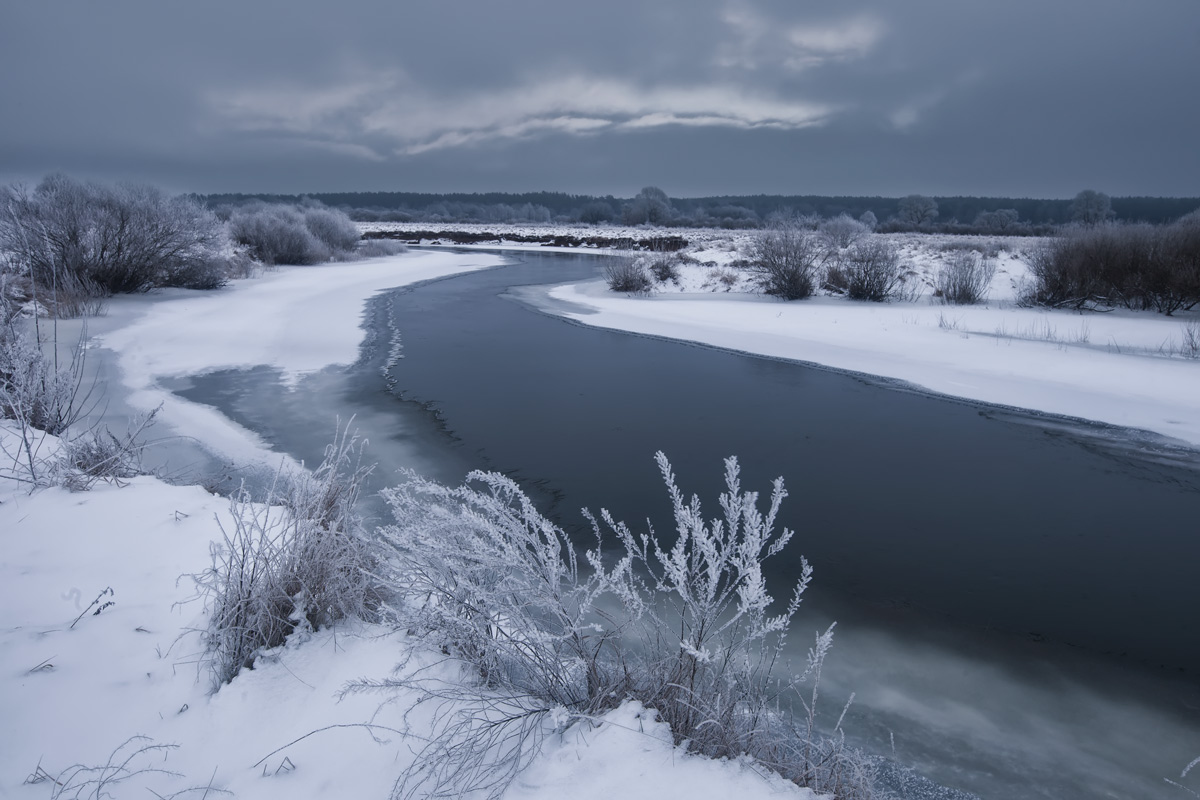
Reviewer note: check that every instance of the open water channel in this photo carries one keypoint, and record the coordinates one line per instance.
(1017, 596)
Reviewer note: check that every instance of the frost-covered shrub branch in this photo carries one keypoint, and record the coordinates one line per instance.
(786, 261)
(688, 629)
(964, 278)
(298, 560)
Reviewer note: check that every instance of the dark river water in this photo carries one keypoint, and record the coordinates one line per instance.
(1017, 596)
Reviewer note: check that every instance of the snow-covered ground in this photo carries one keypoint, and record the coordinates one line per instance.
(123, 696)
(120, 702)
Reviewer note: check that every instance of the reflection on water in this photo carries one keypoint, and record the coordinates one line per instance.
(1012, 592)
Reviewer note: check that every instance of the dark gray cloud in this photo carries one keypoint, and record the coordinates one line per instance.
(697, 96)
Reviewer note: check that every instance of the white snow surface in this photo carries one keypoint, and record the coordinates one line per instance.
(296, 319)
(77, 695)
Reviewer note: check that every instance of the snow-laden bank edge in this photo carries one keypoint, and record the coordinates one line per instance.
(113, 696)
(122, 696)
(1121, 368)
(298, 320)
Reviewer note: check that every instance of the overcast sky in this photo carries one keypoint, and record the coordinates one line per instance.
(1031, 98)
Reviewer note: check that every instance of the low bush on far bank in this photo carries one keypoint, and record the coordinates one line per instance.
(1113, 265)
(627, 275)
(786, 261)
(282, 234)
(868, 270)
(964, 278)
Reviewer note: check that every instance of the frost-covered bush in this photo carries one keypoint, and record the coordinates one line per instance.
(964, 278)
(298, 560)
(687, 628)
(87, 237)
(284, 234)
(627, 275)
(46, 399)
(333, 229)
(664, 267)
(786, 261)
(842, 231)
(37, 390)
(277, 235)
(100, 455)
(868, 270)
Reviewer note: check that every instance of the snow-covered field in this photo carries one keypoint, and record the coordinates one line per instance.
(114, 698)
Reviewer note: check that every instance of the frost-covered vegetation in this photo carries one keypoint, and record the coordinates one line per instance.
(627, 275)
(1115, 265)
(93, 240)
(1082, 267)
(299, 558)
(551, 638)
(43, 392)
(787, 261)
(685, 627)
(964, 278)
(867, 269)
(282, 234)
(64, 244)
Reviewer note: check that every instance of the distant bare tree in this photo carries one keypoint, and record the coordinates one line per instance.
(1001, 219)
(596, 212)
(869, 219)
(917, 210)
(1091, 208)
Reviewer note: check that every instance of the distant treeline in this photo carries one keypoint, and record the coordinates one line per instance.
(651, 205)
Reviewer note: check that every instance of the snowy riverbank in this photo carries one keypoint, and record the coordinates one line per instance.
(115, 697)
(1134, 370)
(298, 320)
(1123, 368)
(120, 701)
